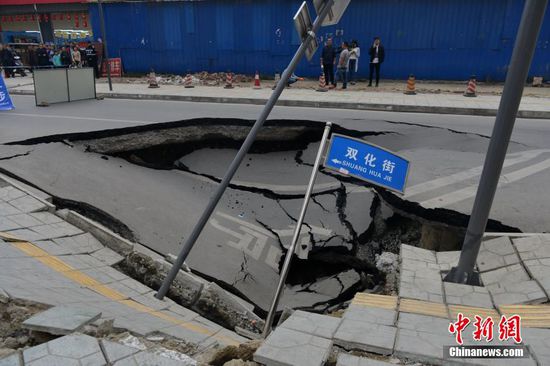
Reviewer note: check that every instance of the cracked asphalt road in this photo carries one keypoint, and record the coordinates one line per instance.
(159, 206)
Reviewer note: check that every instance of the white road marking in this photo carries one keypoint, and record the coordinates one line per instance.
(467, 174)
(468, 192)
(81, 118)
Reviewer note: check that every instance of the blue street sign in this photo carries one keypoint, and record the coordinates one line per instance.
(5, 100)
(359, 159)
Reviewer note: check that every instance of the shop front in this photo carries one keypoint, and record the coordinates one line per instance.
(53, 22)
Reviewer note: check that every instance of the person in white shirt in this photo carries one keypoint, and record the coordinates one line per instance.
(377, 56)
(355, 53)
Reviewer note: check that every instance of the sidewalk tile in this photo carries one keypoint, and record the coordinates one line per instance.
(533, 247)
(526, 292)
(108, 256)
(538, 341)
(345, 359)
(147, 358)
(459, 294)
(61, 320)
(496, 253)
(115, 351)
(28, 204)
(285, 347)
(540, 271)
(505, 275)
(370, 314)
(418, 254)
(365, 336)
(315, 324)
(422, 338)
(11, 360)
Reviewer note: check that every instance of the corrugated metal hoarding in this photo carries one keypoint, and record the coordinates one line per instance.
(433, 39)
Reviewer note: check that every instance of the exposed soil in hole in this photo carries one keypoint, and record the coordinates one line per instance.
(12, 335)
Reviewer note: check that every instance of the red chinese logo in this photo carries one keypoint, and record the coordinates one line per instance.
(458, 327)
(484, 328)
(508, 327)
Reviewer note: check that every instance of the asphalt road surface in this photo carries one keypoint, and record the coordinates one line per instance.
(160, 206)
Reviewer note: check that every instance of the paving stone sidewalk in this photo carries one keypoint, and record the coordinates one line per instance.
(47, 260)
(414, 326)
(531, 107)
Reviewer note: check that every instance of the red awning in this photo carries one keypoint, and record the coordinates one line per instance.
(30, 2)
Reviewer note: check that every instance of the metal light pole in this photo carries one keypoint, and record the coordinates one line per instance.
(292, 248)
(524, 48)
(190, 242)
(104, 36)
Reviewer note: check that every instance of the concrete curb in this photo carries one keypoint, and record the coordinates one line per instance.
(487, 112)
(105, 236)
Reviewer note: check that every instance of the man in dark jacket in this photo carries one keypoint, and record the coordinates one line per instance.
(377, 55)
(328, 59)
(6, 60)
(42, 56)
(91, 58)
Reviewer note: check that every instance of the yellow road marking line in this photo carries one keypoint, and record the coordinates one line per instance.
(82, 279)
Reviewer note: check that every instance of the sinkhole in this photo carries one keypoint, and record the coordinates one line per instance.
(349, 223)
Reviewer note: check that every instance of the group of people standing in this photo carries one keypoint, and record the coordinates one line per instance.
(64, 56)
(346, 60)
(51, 56)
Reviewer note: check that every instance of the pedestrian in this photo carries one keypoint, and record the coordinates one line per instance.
(328, 60)
(354, 55)
(66, 59)
(33, 57)
(56, 59)
(292, 79)
(343, 65)
(77, 57)
(377, 55)
(91, 58)
(7, 61)
(42, 56)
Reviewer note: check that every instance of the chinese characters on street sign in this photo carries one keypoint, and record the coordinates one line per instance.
(357, 158)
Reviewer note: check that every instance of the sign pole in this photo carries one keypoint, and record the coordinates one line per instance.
(190, 242)
(104, 35)
(292, 248)
(524, 48)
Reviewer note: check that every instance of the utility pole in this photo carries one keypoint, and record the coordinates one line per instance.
(104, 37)
(524, 49)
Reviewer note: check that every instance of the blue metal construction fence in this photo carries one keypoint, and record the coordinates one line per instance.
(432, 39)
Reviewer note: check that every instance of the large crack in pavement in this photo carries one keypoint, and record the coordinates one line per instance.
(250, 232)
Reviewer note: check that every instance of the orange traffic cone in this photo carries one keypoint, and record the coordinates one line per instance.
(322, 83)
(471, 90)
(229, 81)
(153, 80)
(411, 85)
(257, 84)
(188, 82)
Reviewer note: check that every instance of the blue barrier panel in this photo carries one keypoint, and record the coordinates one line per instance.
(5, 101)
